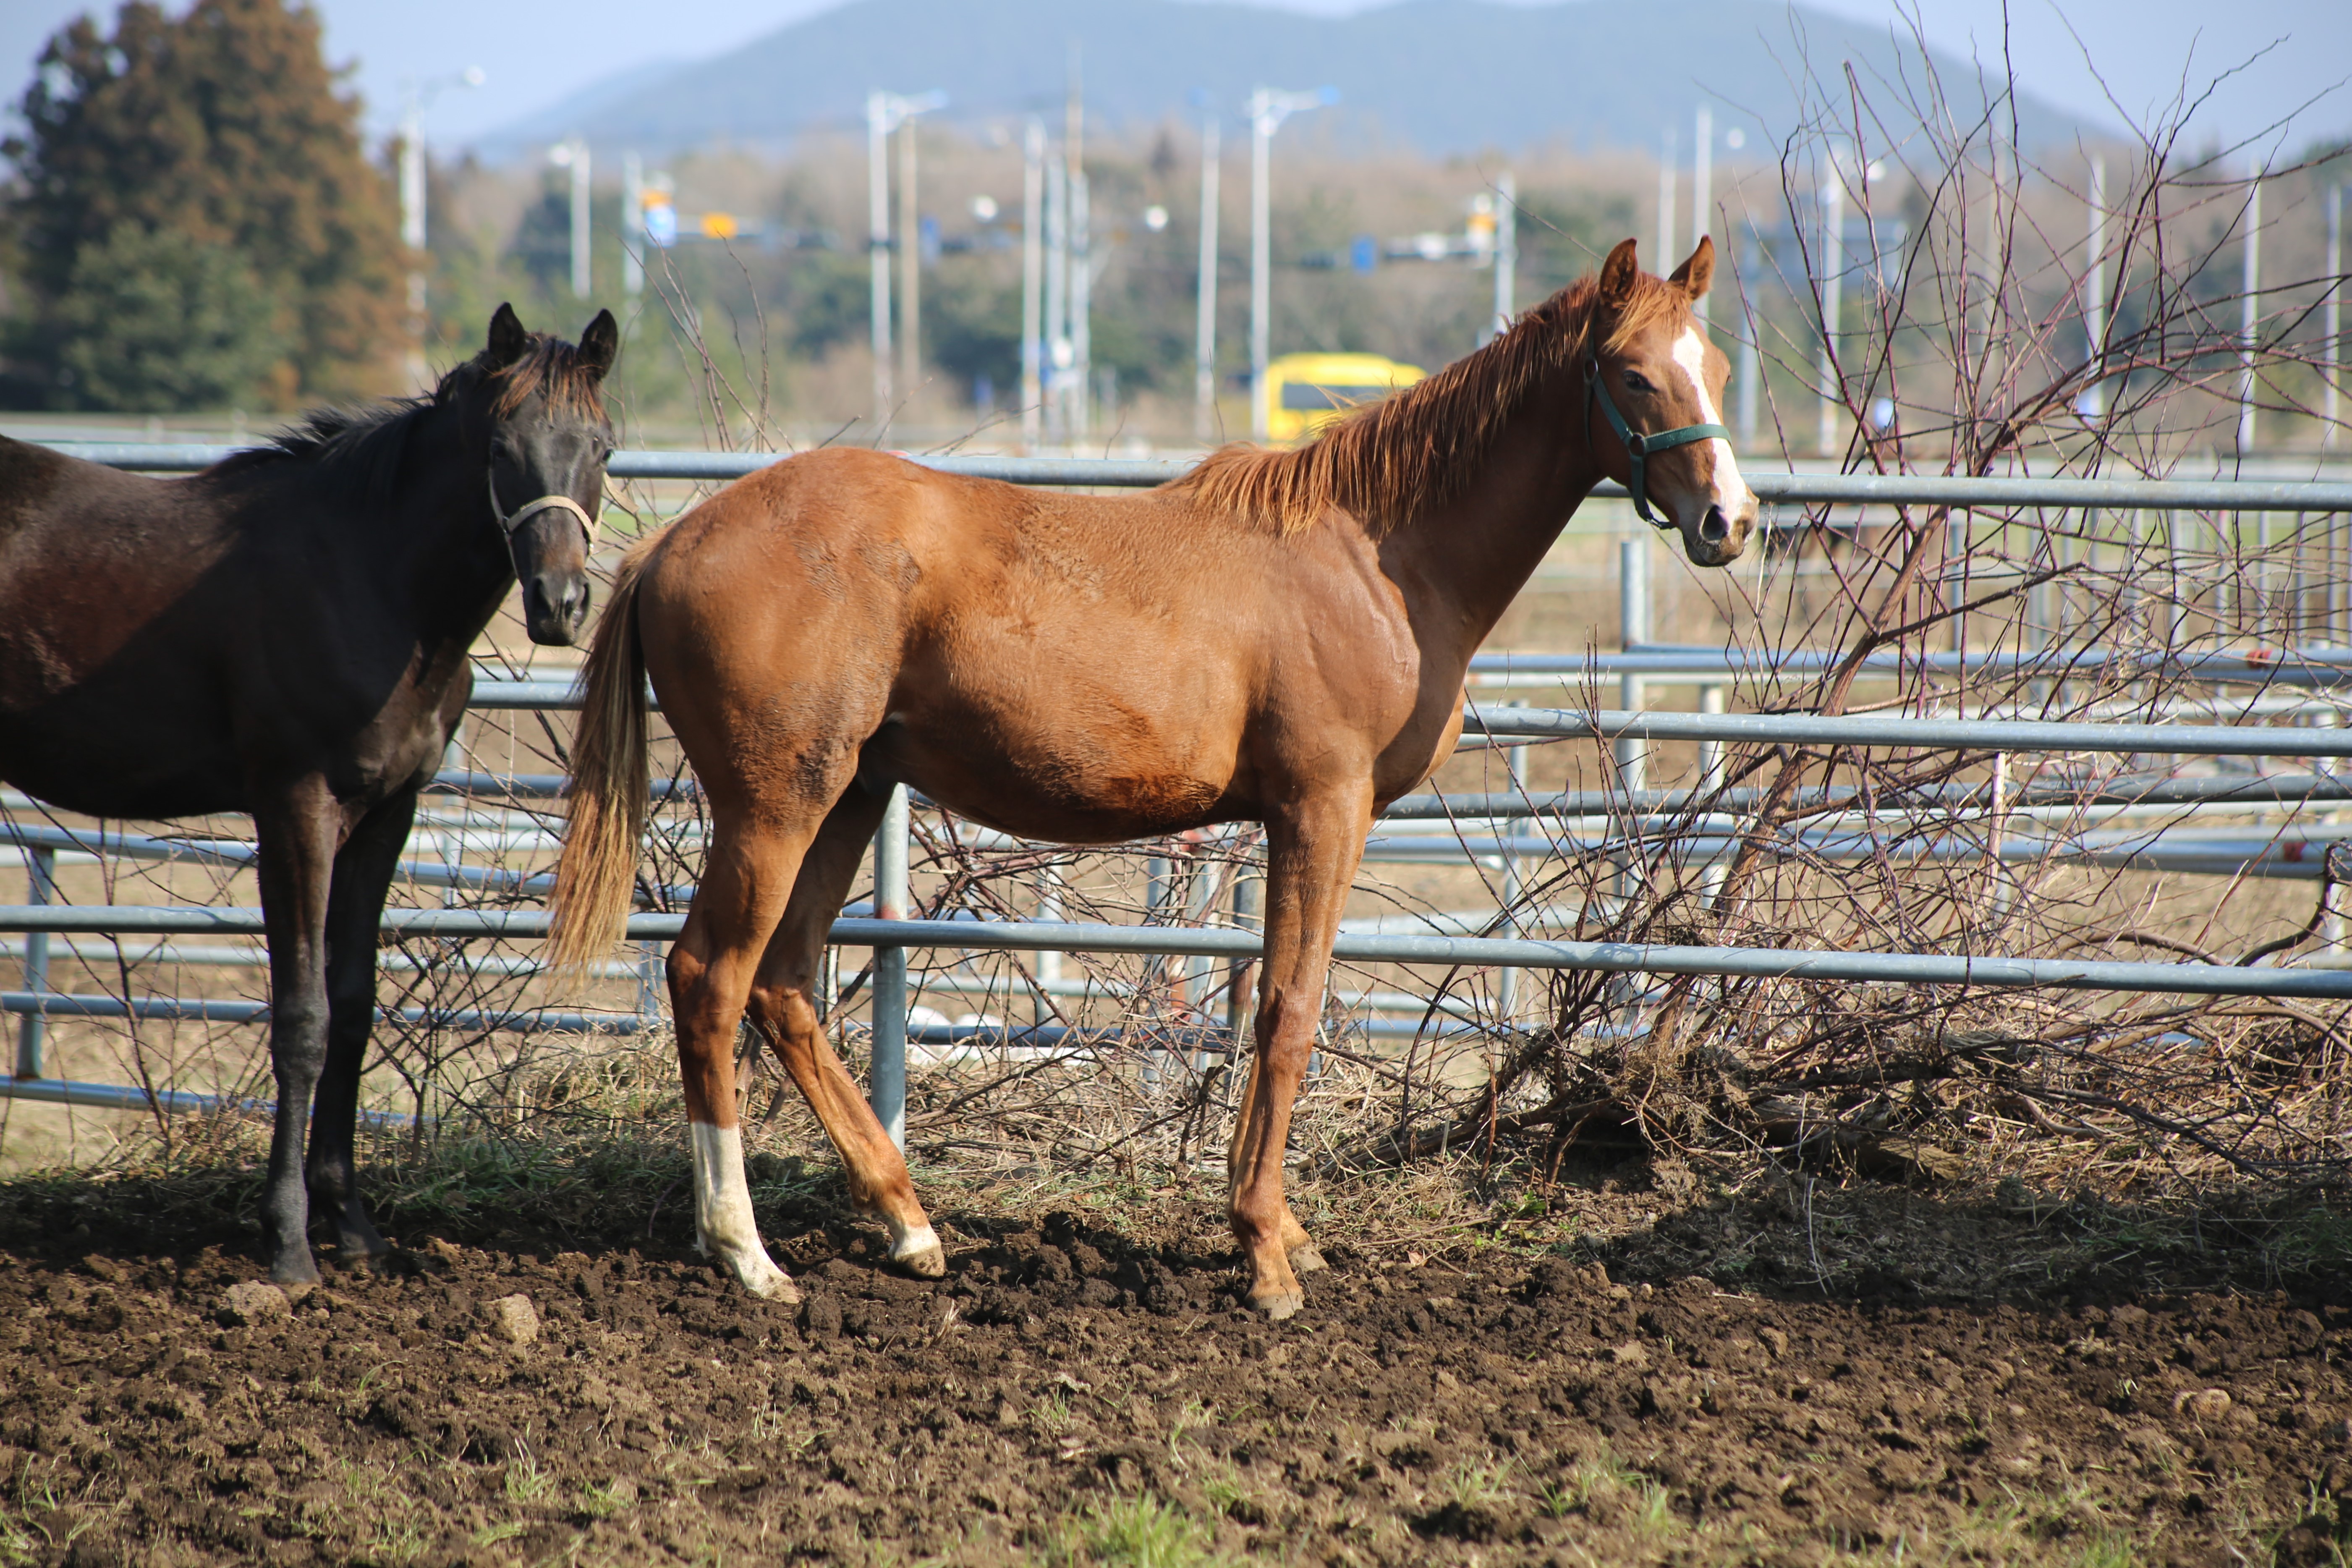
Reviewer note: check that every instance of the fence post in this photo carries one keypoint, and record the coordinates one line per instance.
(1632, 629)
(41, 877)
(1240, 971)
(888, 1091)
(1507, 980)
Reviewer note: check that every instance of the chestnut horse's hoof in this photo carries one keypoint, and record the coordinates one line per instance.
(776, 1287)
(1278, 1304)
(1306, 1260)
(919, 1254)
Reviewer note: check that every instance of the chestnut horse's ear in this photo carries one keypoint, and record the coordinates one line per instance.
(1698, 271)
(1617, 275)
(600, 344)
(508, 339)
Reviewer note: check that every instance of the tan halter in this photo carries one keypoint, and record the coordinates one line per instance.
(508, 523)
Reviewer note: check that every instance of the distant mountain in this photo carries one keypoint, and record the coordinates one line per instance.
(1443, 76)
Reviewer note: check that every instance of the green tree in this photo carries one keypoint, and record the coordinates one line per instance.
(148, 322)
(219, 135)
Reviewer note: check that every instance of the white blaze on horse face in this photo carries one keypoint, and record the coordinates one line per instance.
(724, 1225)
(1730, 490)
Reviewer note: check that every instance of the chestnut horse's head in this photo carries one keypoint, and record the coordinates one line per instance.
(548, 442)
(1651, 402)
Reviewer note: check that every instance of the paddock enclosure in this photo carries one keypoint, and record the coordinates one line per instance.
(1962, 1194)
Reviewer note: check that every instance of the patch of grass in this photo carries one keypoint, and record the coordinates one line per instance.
(491, 1534)
(526, 1482)
(602, 1499)
(1132, 1532)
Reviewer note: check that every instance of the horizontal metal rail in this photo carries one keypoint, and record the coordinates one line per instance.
(2296, 666)
(1057, 936)
(1950, 735)
(2257, 790)
(207, 1010)
(1774, 728)
(172, 1101)
(1890, 489)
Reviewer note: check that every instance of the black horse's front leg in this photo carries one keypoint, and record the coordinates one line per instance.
(297, 827)
(362, 875)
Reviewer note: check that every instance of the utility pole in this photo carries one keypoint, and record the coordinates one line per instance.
(1665, 258)
(910, 266)
(1267, 110)
(1506, 250)
(1082, 255)
(2250, 307)
(1832, 200)
(1205, 326)
(633, 226)
(573, 155)
(1057, 299)
(2333, 315)
(419, 97)
(1702, 196)
(1751, 329)
(1032, 282)
(2094, 294)
(885, 113)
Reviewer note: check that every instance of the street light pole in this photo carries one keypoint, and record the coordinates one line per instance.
(1507, 250)
(1833, 275)
(2250, 307)
(885, 113)
(1205, 328)
(572, 154)
(1702, 196)
(418, 98)
(1033, 284)
(910, 265)
(1267, 110)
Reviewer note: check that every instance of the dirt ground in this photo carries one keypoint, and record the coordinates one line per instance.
(1083, 1388)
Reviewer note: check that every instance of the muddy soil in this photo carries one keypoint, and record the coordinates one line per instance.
(1064, 1392)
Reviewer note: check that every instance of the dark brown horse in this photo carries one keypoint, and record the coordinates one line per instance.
(286, 634)
(1277, 636)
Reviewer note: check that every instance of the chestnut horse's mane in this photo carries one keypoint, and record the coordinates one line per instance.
(1419, 448)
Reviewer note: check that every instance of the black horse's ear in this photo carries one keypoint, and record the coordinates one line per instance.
(508, 339)
(600, 344)
(1617, 276)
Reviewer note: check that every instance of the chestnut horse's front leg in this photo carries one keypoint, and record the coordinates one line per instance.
(1312, 852)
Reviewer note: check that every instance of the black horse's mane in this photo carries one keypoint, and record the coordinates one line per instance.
(362, 447)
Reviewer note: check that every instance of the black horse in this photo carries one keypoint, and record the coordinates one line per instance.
(286, 634)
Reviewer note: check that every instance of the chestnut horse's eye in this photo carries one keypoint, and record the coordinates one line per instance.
(1636, 382)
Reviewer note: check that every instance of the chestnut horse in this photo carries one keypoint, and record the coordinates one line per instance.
(1277, 636)
(286, 634)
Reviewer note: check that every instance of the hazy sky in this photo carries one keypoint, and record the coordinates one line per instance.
(537, 51)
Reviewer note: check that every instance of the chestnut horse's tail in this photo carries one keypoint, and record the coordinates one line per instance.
(596, 876)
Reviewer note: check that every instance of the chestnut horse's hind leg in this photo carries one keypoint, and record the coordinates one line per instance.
(296, 827)
(752, 865)
(783, 1007)
(1312, 851)
(363, 872)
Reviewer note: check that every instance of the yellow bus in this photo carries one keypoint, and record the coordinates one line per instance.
(1306, 392)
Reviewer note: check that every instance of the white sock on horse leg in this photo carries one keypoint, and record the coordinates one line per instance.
(723, 1222)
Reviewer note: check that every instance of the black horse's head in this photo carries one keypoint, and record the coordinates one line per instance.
(548, 442)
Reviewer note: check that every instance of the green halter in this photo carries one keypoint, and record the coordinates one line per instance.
(1638, 447)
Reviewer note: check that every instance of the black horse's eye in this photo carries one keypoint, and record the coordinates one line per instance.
(1636, 382)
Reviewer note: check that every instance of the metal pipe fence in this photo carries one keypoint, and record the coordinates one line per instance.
(1645, 812)
(1991, 492)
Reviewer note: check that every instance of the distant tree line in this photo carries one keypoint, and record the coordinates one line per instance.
(193, 221)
